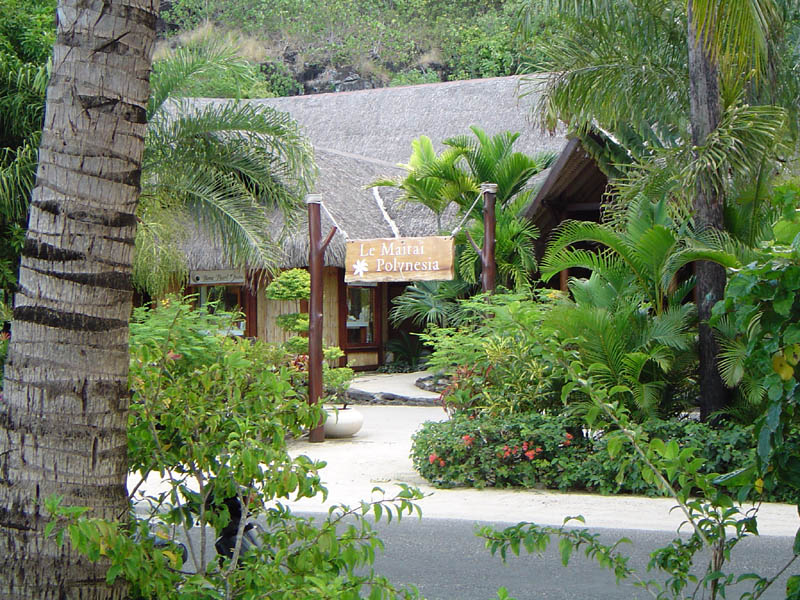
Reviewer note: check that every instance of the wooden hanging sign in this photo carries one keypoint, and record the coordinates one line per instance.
(399, 259)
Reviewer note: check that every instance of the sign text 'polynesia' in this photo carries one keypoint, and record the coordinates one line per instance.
(399, 259)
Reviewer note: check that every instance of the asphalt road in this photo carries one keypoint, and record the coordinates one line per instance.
(446, 561)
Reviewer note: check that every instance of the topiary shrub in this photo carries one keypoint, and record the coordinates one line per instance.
(296, 322)
(294, 284)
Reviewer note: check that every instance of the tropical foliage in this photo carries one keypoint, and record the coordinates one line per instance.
(646, 255)
(552, 451)
(454, 177)
(219, 167)
(216, 167)
(26, 40)
(632, 69)
(430, 302)
(211, 416)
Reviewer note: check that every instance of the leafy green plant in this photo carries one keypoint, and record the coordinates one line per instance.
(483, 450)
(211, 417)
(414, 77)
(759, 323)
(336, 381)
(294, 284)
(521, 450)
(296, 345)
(504, 354)
(429, 302)
(407, 350)
(707, 500)
(280, 80)
(295, 322)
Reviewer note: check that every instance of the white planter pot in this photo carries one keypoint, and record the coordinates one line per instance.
(342, 422)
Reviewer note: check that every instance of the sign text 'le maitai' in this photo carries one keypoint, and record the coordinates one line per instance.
(399, 259)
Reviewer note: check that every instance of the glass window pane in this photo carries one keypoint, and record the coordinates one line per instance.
(360, 315)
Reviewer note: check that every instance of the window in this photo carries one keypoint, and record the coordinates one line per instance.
(223, 297)
(360, 315)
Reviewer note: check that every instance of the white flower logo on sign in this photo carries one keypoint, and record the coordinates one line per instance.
(359, 268)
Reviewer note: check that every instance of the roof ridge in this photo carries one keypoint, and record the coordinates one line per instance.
(379, 201)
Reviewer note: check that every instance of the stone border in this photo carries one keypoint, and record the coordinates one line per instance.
(387, 398)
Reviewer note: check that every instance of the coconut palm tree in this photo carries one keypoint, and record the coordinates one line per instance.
(64, 409)
(626, 70)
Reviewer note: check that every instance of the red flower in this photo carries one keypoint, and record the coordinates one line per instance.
(524, 445)
(441, 462)
(173, 355)
(533, 453)
(432, 458)
(570, 436)
(468, 439)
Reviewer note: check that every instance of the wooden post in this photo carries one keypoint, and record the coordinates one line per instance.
(316, 253)
(488, 264)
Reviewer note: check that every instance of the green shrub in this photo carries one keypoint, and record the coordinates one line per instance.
(296, 322)
(280, 80)
(480, 450)
(503, 358)
(414, 77)
(521, 450)
(211, 417)
(294, 284)
(759, 326)
(296, 345)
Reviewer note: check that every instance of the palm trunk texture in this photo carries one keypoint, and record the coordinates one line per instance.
(705, 110)
(63, 417)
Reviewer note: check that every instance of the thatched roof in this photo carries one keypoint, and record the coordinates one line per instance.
(361, 136)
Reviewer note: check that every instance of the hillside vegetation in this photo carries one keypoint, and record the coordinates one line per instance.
(302, 46)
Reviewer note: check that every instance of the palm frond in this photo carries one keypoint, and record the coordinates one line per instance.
(158, 264)
(17, 175)
(173, 75)
(745, 135)
(672, 328)
(426, 302)
(736, 29)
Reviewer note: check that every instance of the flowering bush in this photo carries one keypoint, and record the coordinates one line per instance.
(528, 450)
(502, 359)
(534, 450)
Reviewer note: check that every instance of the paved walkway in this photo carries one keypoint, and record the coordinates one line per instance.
(379, 456)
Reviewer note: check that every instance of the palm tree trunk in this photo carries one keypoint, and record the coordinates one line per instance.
(705, 110)
(63, 417)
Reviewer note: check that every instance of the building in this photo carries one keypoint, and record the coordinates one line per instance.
(359, 137)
